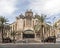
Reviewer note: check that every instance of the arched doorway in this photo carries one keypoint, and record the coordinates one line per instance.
(28, 34)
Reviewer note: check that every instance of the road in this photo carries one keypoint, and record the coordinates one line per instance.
(30, 45)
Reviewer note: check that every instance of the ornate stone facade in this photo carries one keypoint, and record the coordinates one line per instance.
(24, 25)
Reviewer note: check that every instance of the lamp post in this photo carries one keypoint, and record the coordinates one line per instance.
(54, 30)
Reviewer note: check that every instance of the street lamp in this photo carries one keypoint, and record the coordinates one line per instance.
(54, 30)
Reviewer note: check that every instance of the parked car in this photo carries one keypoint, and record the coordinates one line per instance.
(7, 40)
(51, 39)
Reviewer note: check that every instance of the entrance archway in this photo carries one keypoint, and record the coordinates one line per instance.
(28, 34)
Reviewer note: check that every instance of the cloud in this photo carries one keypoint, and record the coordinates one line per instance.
(7, 6)
(12, 8)
(49, 7)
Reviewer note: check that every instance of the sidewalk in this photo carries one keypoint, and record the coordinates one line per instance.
(25, 43)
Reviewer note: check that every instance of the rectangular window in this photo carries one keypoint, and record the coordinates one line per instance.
(28, 22)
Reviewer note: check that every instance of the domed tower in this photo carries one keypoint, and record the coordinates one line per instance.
(28, 19)
(21, 16)
(28, 28)
(29, 13)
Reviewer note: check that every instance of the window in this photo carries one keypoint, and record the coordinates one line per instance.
(28, 22)
(24, 23)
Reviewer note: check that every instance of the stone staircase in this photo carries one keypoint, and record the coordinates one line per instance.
(28, 41)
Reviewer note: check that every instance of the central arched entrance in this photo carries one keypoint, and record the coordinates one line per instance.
(28, 34)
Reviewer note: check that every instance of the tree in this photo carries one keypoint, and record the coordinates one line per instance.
(3, 21)
(41, 20)
(37, 29)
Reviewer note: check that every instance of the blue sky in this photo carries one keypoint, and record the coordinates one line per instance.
(12, 8)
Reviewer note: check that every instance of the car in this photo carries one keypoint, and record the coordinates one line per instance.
(7, 40)
(51, 39)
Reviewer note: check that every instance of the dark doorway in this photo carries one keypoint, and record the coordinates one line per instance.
(28, 35)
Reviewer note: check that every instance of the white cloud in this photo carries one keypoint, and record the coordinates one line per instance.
(49, 7)
(7, 6)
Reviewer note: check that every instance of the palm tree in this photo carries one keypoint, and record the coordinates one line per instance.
(37, 30)
(41, 20)
(3, 20)
(43, 26)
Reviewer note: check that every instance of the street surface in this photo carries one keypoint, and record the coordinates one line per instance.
(30, 45)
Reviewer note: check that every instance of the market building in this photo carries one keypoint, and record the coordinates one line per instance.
(23, 27)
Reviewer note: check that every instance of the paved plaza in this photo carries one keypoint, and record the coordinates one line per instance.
(30, 45)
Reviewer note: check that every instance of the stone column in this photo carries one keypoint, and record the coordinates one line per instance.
(7, 34)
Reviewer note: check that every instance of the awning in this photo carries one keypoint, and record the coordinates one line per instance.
(28, 32)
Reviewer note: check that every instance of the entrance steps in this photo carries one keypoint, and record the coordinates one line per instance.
(28, 41)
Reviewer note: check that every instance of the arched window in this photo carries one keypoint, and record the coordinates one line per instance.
(24, 23)
(28, 22)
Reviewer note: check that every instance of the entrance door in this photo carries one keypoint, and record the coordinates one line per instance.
(28, 35)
